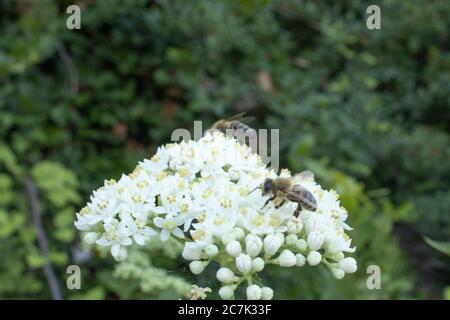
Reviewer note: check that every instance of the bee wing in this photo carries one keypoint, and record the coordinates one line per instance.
(240, 117)
(304, 195)
(305, 175)
(293, 194)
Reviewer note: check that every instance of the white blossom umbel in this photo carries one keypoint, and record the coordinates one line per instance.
(198, 192)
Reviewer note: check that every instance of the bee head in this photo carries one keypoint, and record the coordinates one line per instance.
(267, 186)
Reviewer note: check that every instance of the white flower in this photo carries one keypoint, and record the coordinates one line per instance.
(287, 258)
(204, 188)
(314, 258)
(253, 292)
(233, 248)
(138, 228)
(198, 293)
(253, 245)
(225, 275)
(272, 243)
(244, 263)
(169, 225)
(266, 293)
(226, 292)
(348, 265)
(115, 236)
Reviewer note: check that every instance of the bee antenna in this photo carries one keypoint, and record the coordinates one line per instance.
(254, 189)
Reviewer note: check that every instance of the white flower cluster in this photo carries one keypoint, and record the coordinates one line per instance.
(199, 193)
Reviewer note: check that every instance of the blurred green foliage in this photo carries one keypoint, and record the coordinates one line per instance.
(366, 110)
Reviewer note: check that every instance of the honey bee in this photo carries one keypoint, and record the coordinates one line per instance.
(287, 189)
(234, 123)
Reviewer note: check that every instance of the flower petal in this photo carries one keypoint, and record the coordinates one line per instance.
(177, 232)
(159, 222)
(164, 235)
(115, 249)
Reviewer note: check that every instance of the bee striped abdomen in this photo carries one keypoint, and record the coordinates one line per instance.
(308, 201)
(304, 197)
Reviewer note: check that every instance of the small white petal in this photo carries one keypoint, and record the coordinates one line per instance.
(115, 249)
(159, 222)
(164, 235)
(178, 233)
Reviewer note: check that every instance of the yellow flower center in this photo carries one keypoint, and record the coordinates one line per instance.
(103, 204)
(198, 234)
(225, 203)
(274, 220)
(85, 211)
(136, 198)
(218, 221)
(258, 220)
(161, 176)
(171, 198)
(184, 207)
(169, 225)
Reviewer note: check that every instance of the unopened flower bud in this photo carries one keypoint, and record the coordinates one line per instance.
(225, 275)
(338, 273)
(314, 258)
(315, 240)
(244, 263)
(301, 245)
(197, 267)
(258, 264)
(226, 292)
(291, 239)
(238, 233)
(211, 250)
(266, 293)
(253, 292)
(233, 248)
(271, 244)
(287, 258)
(300, 260)
(253, 245)
(348, 265)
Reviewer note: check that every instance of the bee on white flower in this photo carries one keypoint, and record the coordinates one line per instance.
(203, 188)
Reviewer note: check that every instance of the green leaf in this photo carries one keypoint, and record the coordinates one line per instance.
(440, 246)
(36, 260)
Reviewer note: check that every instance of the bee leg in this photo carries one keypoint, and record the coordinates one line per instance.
(268, 200)
(280, 204)
(297, 211)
